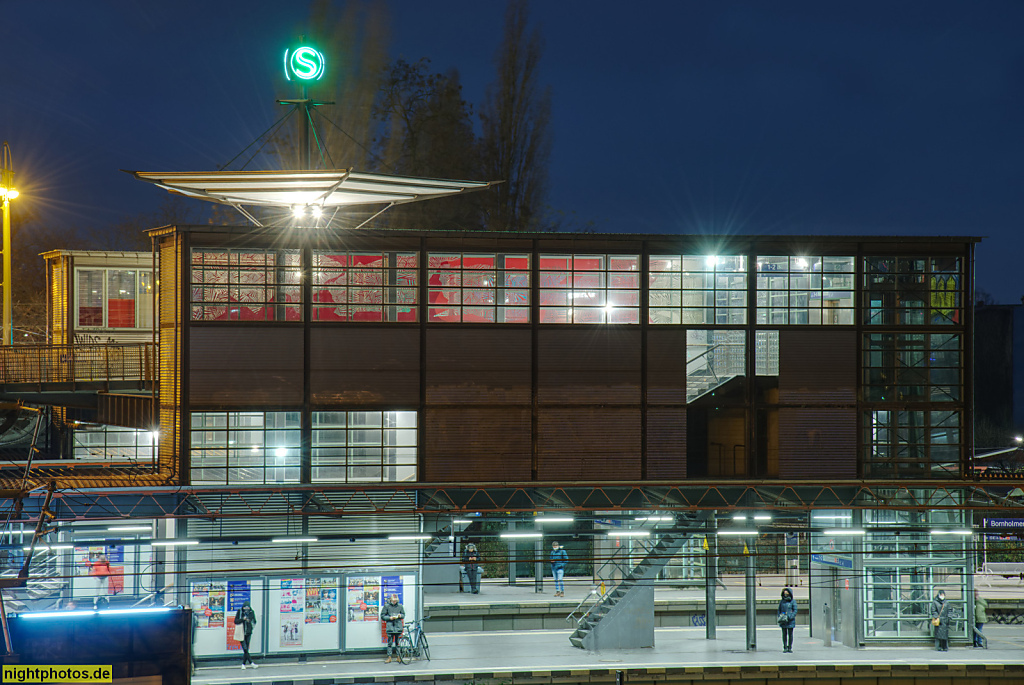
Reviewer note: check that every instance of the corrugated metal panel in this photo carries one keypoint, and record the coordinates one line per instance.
(817, 367)
(589, 365)
(59, 293)
(129, 411)
(365, 366)
(666, 443)
(478, 366)
(245, 366)
(666, 365)
(477, 444)
(588, 443)
(817, 443)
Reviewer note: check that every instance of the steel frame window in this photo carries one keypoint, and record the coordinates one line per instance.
(114, 443)
(245, 447)
(478, 288)
(246, 284)
(364, 446)
(913, 291)
(365, 286)
(589, 288)
(815, 290)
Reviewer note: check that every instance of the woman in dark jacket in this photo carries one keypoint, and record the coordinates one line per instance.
(940, 611)
(787, 619)
(246, 618)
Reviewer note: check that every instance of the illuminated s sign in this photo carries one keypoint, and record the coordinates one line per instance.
(304, 64)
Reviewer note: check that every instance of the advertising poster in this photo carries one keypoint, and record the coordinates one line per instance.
(392, 585)
(329, 603)
(291, 631)
(101, 578)
(218, 598)
(239, 592)
(115, 582)
(313, 600)
(201, 604)
(292, 605)
(354, 600)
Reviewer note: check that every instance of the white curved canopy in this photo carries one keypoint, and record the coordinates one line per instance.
(328, 188)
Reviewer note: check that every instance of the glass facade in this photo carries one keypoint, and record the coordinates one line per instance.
(690, 289)
(364, 446)
(913, 291)
(112, 443)
(114, 298)
(805, 290)
(365, 286)
(478, 288)
(589, 288)
(246, 285)
(251, 447)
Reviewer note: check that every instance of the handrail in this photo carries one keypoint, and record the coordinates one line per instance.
(77, 363)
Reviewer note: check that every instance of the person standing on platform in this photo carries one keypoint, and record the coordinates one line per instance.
(471, 566)
(559, 558)
(940, 621)
(787, 619)
(246, 618)
(393, 615)
(980, 617)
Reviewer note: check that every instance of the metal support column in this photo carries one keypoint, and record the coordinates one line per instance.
(538, 566)
(710, 580)
(751, 595)
(512, 567)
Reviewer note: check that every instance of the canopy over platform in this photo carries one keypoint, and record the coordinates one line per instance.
(326, 189)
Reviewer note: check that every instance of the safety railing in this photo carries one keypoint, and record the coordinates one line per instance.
(77, 363)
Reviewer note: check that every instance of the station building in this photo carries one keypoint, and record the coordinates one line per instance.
(335, 399)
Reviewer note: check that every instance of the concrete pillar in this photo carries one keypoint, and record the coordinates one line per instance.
(751, 596)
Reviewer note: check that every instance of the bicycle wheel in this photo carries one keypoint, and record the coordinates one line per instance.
(404, 649)
(424, 646)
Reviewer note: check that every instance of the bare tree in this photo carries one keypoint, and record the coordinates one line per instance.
(515, 120)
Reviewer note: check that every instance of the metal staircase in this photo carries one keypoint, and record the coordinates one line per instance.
(624, 616)
(44, 586)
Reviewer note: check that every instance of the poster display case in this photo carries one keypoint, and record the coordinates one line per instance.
(364, 596)
(303, 615)
(214, 604)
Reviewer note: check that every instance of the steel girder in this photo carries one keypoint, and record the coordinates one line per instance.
(425, 498)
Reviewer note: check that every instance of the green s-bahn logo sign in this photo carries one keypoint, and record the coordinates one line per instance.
(303, 64)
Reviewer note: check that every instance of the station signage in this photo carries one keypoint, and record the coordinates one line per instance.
(303, 63)
(832, 560)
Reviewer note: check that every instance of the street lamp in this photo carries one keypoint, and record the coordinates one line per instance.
(7, 193)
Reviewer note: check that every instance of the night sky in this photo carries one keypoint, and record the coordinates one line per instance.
(669, 117)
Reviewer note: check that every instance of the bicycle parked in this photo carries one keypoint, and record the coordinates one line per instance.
(413, 643)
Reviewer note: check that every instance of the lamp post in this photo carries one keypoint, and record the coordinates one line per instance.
(7, 193)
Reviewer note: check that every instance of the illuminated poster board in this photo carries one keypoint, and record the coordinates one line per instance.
(304, 615)
(363, 595)
(214, 604)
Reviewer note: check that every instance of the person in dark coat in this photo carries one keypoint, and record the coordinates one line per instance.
(980, 617)
(787, 619)
(940, 611)
(246, 618)
(393, 615)
(471, 567)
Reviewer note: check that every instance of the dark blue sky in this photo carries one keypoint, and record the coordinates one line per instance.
(669, 117)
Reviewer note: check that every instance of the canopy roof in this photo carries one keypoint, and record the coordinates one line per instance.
(327, 188)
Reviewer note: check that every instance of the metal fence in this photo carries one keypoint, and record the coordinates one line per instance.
(77, 363)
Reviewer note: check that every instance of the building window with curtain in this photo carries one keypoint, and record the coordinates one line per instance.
(249, 284)
(365, 286)
(478, 288)
(114, 298)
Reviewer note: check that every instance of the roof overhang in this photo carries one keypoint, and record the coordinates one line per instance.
(327, 189)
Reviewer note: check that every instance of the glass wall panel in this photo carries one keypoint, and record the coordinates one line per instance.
(365, 286)
(913, 290)
(478, 288)
(692, 289)
(114, 443)
(364, 446)
(595, 288)
(249, 284)
(712, 359)
(912, 367)
(245, 447)
(916, 443)
(805, 290)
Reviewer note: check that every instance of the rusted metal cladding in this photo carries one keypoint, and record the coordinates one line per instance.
(588, 443)
(364, 367)
(666, 443)
(245, 366)
(60, 298)
(170, 345)
(817, 443)
(817, 367)
(478, 367)
(666, 366)
(589, 366)
(475, 444)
